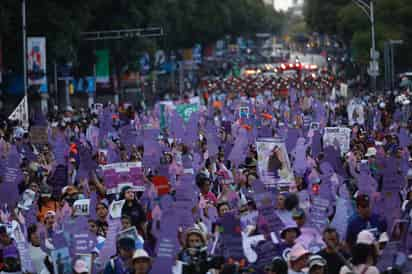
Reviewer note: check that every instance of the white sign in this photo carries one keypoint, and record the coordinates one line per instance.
(81, 207)
(21, 113)
(337, 136)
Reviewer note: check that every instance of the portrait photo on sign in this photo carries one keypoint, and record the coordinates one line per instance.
(338, 137)
(81, 207)
(61, 261)
(115, 209)
(83, 263)
(314, 126)
(273, 162)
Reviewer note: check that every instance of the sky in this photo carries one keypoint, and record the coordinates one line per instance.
(283, 4)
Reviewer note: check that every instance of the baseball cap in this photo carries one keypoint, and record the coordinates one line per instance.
(365, 237)
(316, 260)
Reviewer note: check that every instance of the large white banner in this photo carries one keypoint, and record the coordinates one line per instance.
(21, 113)
(36, 61)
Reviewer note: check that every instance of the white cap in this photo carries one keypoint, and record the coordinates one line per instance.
(365, 237)
(316, 260)
(141, 254)
(297, 251)
(383, 238)
(371, 152)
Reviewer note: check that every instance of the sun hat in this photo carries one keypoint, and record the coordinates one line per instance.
(297, 251)
(365, 237)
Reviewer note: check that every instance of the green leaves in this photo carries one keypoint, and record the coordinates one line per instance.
(344, 18)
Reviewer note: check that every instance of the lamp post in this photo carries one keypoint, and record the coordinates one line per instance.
(367, 6)
(23, 12)
(392, 43)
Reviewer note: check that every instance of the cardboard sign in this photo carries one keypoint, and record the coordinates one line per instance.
(273, 163)
(119, 174)
(59, 179)
(337, 136)
(231, 237)
(318, 212)
(39, 135)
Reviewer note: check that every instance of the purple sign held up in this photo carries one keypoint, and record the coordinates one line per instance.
(11, 175)
(118, 175)
(59, 179)
(231, 237)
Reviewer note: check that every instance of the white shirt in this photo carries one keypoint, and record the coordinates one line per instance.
(359, 269)
(37, 256)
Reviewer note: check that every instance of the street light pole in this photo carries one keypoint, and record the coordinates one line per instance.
(23, 7)
(373, 57)
(369, 10)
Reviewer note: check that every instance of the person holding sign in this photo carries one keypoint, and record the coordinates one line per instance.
(122, 264)
(363, 219)
(133, 209)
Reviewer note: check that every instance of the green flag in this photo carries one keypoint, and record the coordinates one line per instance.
(186, 110)
(102, 66)
(162, 117)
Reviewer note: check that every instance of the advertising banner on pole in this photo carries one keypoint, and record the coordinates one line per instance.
(102, 66)
(36, 63)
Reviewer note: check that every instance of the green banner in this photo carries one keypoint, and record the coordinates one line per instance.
(186, 110)
(102, 66)
(162, 117)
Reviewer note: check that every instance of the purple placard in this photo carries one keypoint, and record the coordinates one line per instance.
(109, 248)
(230, 237)
(318, 212)
(11, 176)
(123, 173)
(59, 179)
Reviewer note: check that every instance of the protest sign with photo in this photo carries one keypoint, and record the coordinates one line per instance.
(337, 137)
(273, 163)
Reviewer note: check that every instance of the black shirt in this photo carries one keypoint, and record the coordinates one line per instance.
(334, 262)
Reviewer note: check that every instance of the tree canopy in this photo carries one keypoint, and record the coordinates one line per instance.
(184, 22)
(344, 18)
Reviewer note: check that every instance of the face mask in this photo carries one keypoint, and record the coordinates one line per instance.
(233, 187)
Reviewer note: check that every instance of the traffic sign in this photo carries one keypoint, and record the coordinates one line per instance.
(373, 69)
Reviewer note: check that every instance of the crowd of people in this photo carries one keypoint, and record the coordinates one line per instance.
(170, 191)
